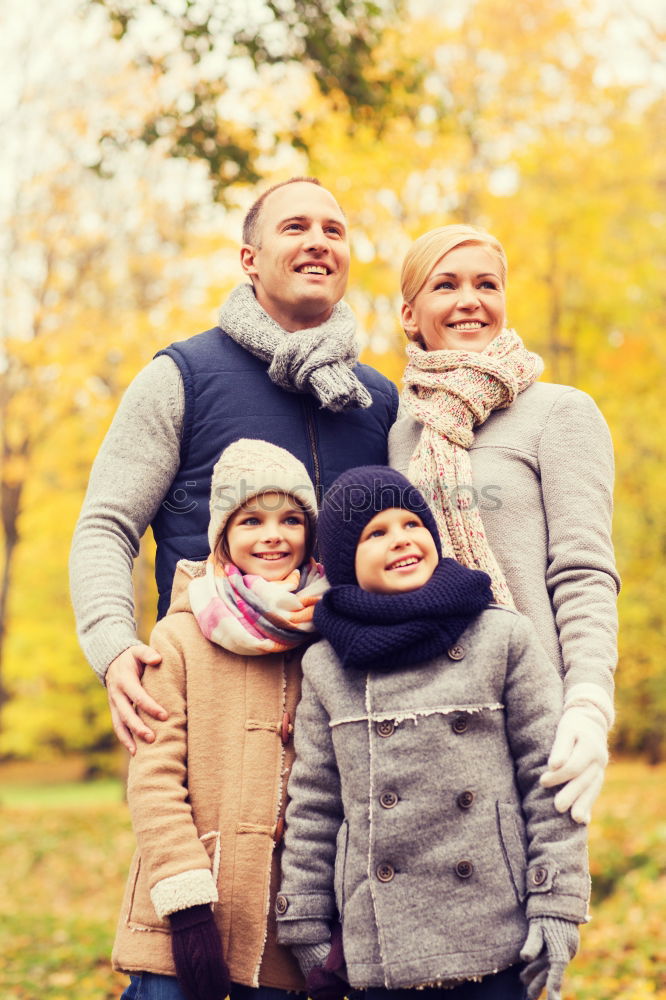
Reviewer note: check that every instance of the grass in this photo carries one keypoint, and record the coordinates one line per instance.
(73, 794)
(65, 850)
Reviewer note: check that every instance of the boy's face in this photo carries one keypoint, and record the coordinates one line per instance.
(267, 536)
(395, 553)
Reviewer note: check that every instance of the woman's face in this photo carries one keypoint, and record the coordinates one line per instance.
(461, 306)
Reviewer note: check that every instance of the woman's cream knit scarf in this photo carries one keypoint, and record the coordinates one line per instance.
(451, 393)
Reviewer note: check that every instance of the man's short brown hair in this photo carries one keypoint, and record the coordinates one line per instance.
(251, 221)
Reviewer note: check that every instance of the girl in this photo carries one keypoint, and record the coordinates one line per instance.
(207, 798)
(416, 809)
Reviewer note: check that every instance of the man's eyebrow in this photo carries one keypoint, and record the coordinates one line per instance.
(307, 218)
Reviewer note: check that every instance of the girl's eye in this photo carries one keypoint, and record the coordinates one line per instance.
(444, 284)
(413, 524)
(377, 533)
(489, 284)
(250, 521)
(293, 520)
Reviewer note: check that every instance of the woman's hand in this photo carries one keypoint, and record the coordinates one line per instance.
(578, 759)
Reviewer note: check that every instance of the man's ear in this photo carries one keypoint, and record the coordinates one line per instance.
(247, 259)
(408, 322)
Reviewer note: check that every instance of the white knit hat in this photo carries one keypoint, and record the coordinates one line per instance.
(248, 467)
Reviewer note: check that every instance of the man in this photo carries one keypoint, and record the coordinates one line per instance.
(280, 366)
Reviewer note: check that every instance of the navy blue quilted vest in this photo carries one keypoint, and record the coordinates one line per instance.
(228, 395)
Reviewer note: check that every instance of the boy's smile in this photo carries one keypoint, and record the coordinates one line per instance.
(395, 553)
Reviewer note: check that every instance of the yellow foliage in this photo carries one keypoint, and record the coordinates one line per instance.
(516, 128)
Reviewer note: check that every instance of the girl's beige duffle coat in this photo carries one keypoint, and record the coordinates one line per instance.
(207, 800)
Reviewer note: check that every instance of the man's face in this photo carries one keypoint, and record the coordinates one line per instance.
(300, 268)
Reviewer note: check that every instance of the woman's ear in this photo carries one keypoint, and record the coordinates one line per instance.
(408, 322)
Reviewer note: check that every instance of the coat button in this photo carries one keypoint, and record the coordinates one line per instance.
(465, 799)
(457, 652)
(539, 876)
(459, 724)
(388, 800)
(385, 872)
(385, 728)
(286, 729)
(281, 904)
(464, 869)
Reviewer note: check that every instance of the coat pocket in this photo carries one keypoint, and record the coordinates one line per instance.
(211, 841)
(340, 862)
(142, 902)
(140, 910)
(513, 839)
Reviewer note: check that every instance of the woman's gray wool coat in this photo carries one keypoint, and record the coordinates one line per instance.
(416, 810)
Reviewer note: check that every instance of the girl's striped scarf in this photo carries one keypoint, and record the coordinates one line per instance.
(451, 393)
(248, 615)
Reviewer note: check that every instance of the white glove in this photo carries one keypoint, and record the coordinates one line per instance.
(550, 945)
(580, 751)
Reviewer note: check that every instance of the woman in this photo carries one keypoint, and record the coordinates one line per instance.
(519, 474)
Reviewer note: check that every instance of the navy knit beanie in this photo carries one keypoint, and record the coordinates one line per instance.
(351, 502)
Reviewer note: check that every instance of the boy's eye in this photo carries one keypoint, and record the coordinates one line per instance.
(413, 524)
(377, 533)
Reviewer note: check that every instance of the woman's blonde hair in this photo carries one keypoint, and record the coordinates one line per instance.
(431, 247)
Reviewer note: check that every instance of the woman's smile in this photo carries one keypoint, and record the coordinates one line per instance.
(461, 306)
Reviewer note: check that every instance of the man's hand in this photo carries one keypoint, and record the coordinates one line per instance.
(124, 690)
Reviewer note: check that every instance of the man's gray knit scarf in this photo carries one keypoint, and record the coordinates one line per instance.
(318, 360)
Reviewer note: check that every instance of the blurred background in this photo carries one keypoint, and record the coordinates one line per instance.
(134, 136)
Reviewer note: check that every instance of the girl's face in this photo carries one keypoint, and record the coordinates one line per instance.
(395, 553)
(461, 306)
(267, 536)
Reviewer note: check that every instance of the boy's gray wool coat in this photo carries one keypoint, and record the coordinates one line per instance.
(416, 810)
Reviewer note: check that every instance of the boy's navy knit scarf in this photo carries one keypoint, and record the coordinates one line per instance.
(389, 631)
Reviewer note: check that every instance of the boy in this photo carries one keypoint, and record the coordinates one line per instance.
(426, 720)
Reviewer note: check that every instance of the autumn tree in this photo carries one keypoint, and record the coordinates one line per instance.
(219, 51)
(90, 265)
(522, 123)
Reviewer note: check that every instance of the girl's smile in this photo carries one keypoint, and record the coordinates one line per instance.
(267, 536)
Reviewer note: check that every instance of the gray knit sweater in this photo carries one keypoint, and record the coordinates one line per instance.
(542, 474)
(126, 487)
